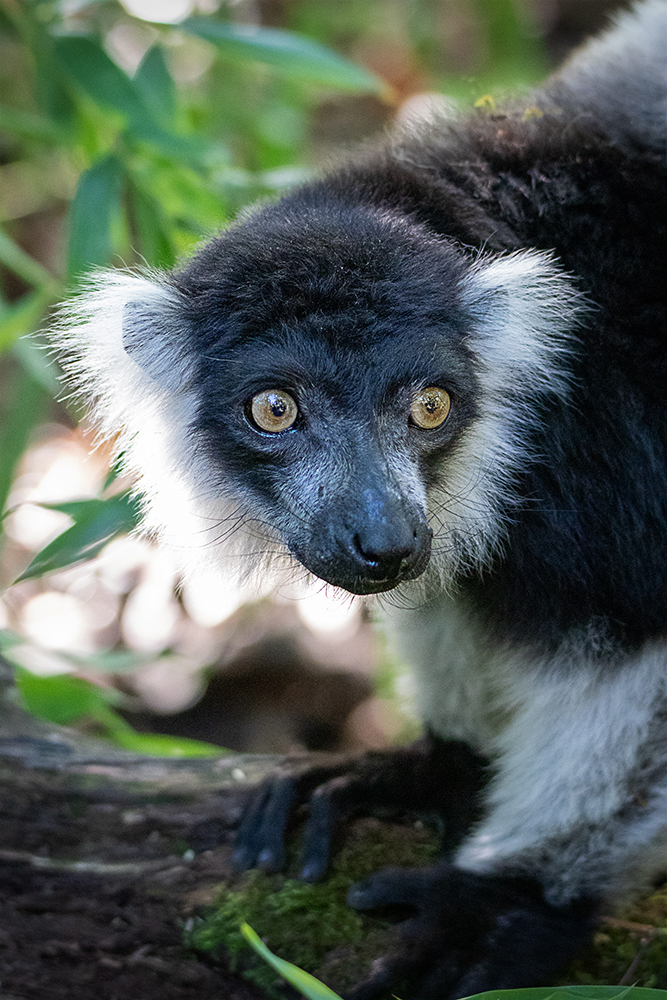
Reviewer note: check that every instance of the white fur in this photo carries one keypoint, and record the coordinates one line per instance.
(585, 744)
(452, 668)
(579, 745)
(146, 409)
(524, 310)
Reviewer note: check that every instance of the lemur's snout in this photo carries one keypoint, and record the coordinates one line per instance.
(376, 540)
(389, 552)
(384, 561)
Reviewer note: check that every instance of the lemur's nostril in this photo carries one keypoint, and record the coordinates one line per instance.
(387, 559)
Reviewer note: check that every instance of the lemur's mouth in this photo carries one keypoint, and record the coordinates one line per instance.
(363, 584)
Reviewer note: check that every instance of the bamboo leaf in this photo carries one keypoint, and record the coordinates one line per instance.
(64, 700)
(61, 699)
(302, 981)
(90, 68)
(152, 230)
(86, 62)
(96, 522)
(30, 126)
(96, 201)
(21, 410)
(293, 55)
(155, 86)
(158, 745)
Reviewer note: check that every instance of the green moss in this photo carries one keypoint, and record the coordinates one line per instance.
(615, 948)
(311, 925)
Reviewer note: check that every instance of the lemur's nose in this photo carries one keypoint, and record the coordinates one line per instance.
(385, 541)
(385, 558)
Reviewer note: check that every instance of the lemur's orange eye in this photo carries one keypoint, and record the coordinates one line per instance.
(274, 410)
(430, 407)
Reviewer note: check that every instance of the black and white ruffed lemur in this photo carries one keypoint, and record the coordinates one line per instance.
(441, 370)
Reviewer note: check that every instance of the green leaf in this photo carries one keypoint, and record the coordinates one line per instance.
(121, 732)
(31, 126)
(64, 699)
(157, 745)
(21, 409)
(86, 62)
(22, 264)
(96, 522)
(22, 316)
(36, 357)
(51, 89)
(155, 86)
(61, 699)
(293, 55)
(91, 69)
(302, 981)
(154, 243)
(96, 201)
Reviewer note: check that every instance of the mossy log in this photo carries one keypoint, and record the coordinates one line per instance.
(99, 881)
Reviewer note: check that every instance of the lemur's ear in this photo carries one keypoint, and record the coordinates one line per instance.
(155, 336)
(126, 349)
(525, 310)
(125, 345)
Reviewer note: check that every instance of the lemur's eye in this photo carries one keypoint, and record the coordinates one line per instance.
(273, 410)
(430, 407)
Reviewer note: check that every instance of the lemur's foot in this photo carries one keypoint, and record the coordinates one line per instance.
(469, 933)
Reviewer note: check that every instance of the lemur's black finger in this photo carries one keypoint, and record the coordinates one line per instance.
(245, 850)
(272, 826)
(390, 887)
(330, 805)
(260, 841)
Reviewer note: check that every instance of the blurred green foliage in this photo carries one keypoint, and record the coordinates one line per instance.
(131, 167)
(69, 700)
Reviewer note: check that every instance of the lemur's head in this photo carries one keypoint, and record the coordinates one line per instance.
(335, 382)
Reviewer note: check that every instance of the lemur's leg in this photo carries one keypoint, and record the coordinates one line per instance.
(442, 775)
(578, 802)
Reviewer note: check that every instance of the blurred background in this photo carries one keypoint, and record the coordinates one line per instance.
(128, 133)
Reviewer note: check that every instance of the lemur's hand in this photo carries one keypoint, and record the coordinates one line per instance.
(469, 933)
(432, 775)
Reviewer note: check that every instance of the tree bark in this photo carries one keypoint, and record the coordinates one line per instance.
(97, 880)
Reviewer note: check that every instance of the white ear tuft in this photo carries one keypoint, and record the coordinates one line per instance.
(524, 312)
(122, 331)
(127, 351)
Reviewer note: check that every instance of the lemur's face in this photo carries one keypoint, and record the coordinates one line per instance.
(338, 383)
(334, 448)
(331, 391)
